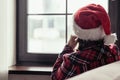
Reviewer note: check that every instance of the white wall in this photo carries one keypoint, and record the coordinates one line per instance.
(3, 51)
(7, 36)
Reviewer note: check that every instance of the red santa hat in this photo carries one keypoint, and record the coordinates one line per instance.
(93, 23)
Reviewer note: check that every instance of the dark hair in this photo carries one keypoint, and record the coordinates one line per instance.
(88, 43)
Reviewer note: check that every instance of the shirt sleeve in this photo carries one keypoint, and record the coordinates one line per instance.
(57, 73)
(70, 66)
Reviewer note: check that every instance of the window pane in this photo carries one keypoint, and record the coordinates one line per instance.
(70, 26)
(73, 5)
(46, 34)
(46, 6)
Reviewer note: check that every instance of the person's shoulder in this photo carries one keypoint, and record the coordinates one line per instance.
(82, 55)
(77, 57)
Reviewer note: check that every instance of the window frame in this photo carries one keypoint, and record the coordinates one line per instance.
(23, 58)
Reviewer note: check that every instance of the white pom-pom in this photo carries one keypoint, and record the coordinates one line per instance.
(110, 39)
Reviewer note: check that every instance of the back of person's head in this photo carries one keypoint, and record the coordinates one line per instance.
(92, 23)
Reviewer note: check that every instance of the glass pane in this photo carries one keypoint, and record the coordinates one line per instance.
(46, 34)
(46, 6)
(73, 5)
(70, 26)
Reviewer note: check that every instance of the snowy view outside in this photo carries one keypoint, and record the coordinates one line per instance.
(46, 33)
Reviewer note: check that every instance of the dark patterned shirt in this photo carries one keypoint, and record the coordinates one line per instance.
(70, 63)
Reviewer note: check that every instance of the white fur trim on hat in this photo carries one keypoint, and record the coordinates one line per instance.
(88, 34)
(94, 34)
(110, 39)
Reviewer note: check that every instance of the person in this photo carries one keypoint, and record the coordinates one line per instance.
(97, 47)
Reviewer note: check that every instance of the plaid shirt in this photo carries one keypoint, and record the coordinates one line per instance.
(70, 63)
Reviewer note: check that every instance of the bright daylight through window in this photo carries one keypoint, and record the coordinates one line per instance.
(47, 23)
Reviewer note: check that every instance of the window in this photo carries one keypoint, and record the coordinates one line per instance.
(44, 27)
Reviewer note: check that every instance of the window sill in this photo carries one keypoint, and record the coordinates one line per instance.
(37, 70)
